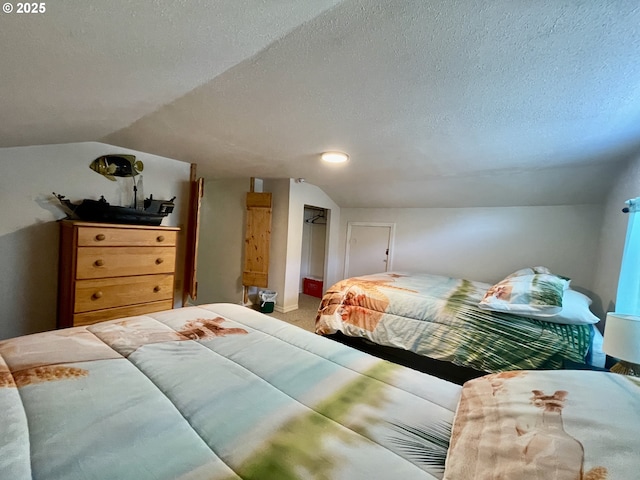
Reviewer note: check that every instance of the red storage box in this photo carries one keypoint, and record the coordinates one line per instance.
(312, 286)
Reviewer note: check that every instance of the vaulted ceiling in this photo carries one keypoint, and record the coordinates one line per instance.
(438, 103)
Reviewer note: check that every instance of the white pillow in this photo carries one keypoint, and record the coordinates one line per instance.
(575, 310)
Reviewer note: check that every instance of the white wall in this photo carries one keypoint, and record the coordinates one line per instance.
(306, 194)
(221, 242)
(28, 229)
(612, 236)
(279, 251)
(289, 199)
(583, 242)
(486, 244)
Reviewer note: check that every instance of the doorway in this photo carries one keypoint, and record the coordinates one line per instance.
(369, 248)
(314, 239)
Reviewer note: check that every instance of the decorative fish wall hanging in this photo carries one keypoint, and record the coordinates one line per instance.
(111, 166)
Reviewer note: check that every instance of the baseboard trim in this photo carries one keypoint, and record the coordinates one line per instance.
(287, 309)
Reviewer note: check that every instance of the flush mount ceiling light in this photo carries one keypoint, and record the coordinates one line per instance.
(335, 157)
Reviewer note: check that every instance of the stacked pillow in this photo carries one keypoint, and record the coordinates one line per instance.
(535, 292)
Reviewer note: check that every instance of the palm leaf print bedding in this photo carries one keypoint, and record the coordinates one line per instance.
(439, 317)
(214, 392)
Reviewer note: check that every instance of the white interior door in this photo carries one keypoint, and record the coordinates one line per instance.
(369, 248)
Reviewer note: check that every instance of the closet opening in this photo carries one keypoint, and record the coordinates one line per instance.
(314, 239)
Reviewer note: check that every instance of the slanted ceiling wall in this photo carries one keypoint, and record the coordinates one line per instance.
(28, 223)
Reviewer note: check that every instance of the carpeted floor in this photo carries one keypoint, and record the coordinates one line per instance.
(305, 316)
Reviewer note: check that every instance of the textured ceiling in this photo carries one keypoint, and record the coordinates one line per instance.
(439, 103)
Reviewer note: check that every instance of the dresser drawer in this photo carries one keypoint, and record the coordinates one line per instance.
(89, 318)
(101, 262)
(121, 291)
(125, 237)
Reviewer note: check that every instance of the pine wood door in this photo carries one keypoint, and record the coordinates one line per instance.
(257, 240)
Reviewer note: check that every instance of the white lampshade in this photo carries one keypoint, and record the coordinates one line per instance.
(622, 337)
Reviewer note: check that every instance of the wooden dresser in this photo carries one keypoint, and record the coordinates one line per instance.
(109, 271)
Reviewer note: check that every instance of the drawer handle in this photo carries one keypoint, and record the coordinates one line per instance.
(96, 295)
(156, 288)
(159, 261)
(100, 237)
(160, 238)
(99, 262)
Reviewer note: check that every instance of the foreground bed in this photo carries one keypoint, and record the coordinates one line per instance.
(436, 324)
(213, 392)
(224, 392)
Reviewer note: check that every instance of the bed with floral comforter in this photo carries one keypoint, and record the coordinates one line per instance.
(439, 317)
(214, 392)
